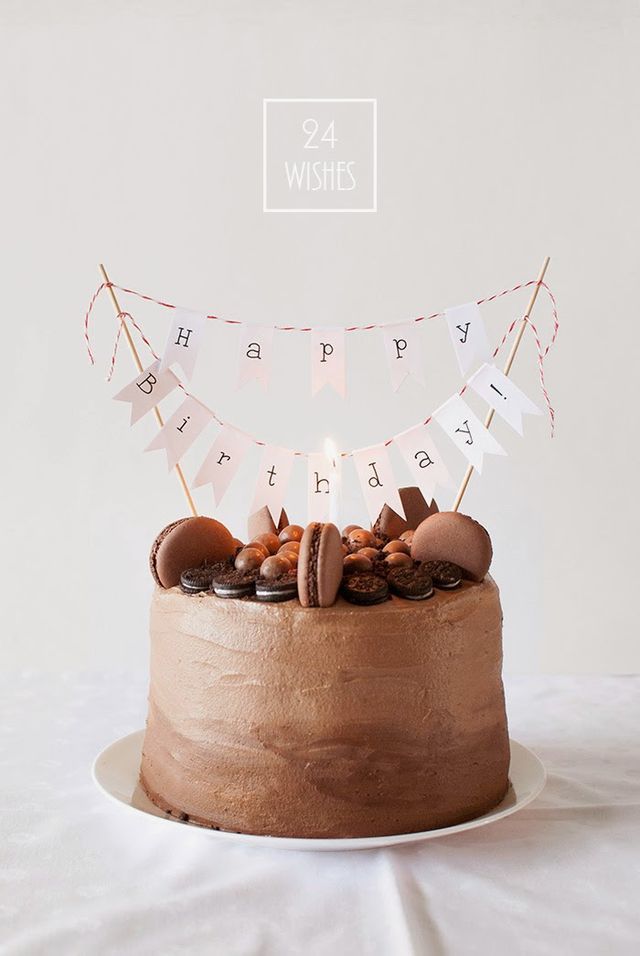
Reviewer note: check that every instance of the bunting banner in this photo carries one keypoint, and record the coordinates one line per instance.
(418, 448)
(328, 360)
(274, 472)
(255, 354)
(404, 353)
(468, 335)
(223, 460)
(503, 396)
(147, 389)
(184, 341)
(466, 431)
(323, 481)
(376, 478)
(181, 430)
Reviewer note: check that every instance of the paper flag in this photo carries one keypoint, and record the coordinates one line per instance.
(424, 459)
(376, 480)
(274, 472)
(223, 460)
(147, 389)
(184, 340)
(403, 346)
(328, 360)
(255, 346)
(323, 488)
(503, 396)
(466, 431)
(181, 430)
(468, 335)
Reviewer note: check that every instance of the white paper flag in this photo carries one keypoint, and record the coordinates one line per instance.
(184, 340)
(222, 461)
(503, 396)
(328, 360)
(424, 459)
(377, 481)
(403, 346)
(466, 431)
(274, 472)
(147, 389)
(181, 430)
(255, 347)
(323, 488)
(468, 335)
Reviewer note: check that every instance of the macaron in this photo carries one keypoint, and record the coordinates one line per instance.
(451, 536)
(319, 565)
(188, 543)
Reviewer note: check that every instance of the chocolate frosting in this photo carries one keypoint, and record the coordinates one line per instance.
(327, 722)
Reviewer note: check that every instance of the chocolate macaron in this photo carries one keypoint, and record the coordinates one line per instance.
(188, 543)
(450, 536)
(319, 565)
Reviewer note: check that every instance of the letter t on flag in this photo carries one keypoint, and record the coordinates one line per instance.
(274, 472)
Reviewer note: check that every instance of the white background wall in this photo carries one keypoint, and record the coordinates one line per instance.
(132, 133)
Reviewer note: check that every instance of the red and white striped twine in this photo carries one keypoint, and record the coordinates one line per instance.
(542, 351)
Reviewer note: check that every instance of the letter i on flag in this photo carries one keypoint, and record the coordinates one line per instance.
(255, 354)
(147, 389)
(274, 472)
(466, 431)
(503, 396)
(328, 360)
(403, 347)
(179, 433)
(377, 481)
(222, 462)
(422, 455)
(468, 335)
(184, 340)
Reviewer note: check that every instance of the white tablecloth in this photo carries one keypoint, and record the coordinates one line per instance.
(79, 875)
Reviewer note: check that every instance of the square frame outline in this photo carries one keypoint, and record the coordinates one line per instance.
(304, 99)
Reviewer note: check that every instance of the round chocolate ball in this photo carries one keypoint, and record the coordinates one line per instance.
(397, 547)
(371, 553)
(249, 559)
(360, 538)
(293, 532)
(398, 559)
(289, 555)
(289, 546)
(345, 549)
(357, 562)
(407, 536)
(237, 545)
(274, 567)
(350, 527)
(270, 541)
(259, 546)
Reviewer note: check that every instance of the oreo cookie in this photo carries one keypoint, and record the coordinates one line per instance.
(364, 589)
(284, 588)
(194, 580)
(445, 574)
(230, 583)
(414, 584)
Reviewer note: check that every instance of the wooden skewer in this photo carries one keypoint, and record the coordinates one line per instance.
(140, 367)
(506, 370)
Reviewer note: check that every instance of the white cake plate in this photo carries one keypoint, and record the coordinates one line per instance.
(115, 772)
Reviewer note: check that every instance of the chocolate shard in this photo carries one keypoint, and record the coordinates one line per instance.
(261, 522)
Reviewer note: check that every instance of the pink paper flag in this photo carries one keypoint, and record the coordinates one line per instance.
(147, 389)
(223, 460)
(274, 472)
(503, 396)
(468, 335)
(378, 484)
(184, 340)
(466, 431)
(328, 360)
(424, 459)
(403, 346)
(255, 346)
(181, 430)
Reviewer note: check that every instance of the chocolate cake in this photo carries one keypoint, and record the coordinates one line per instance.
(349, 719)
